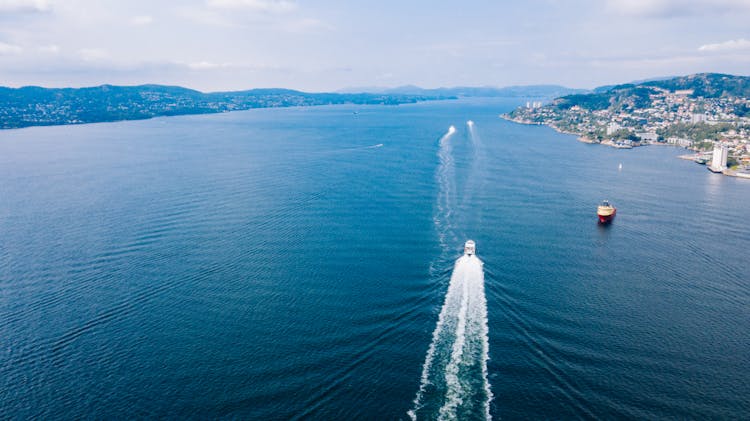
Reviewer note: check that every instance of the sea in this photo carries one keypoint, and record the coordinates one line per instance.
(307, 263)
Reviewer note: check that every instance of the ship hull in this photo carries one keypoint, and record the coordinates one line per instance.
(606, 219)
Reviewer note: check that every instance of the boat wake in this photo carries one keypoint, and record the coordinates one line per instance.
(447, 190)
(454, 382)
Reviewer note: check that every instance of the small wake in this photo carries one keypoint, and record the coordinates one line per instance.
(446, 190)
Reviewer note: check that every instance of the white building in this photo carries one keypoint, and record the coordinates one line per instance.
(719, 160)
(648, 137)
(612, 128)
(698, 118)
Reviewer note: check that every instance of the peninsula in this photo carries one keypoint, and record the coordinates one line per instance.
(701, 112)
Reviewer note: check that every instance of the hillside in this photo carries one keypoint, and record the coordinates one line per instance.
(638, 96)
(690, 111)
(37, 106)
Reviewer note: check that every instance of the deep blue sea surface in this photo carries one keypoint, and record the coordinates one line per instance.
(293, 264)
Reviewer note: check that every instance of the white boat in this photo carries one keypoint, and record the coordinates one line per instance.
(470, 248)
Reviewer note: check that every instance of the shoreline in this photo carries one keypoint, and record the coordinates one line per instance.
(583, 139)
(390, 100)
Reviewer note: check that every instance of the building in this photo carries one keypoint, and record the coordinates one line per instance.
(648, 137)
(719, 159)
(612, 128)
(698, 118)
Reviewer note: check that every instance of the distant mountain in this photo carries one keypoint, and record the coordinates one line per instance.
(37, 106)
(529, 91)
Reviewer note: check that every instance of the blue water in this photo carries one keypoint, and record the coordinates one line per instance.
(293, 263)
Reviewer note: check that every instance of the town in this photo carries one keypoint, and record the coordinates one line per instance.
(715, 125)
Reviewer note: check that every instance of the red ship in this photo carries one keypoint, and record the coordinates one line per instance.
(606, 212)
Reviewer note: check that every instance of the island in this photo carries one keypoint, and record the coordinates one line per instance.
(707, 113)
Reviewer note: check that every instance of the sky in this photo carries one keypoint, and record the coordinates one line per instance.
(326, 45)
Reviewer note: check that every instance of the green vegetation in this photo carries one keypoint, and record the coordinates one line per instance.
(708, 85)
(624, 134)
(697, 132)
(705, 145)
(619, 98)
(35, 106)
(692, 111)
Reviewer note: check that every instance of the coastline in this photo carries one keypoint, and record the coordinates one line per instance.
(582, 138)
(579, 136)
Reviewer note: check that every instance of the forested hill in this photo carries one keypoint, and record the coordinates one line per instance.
(37, 106)
(638, 96)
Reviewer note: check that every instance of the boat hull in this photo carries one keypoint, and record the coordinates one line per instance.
(606, 219)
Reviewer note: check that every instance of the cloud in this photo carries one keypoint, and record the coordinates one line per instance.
(306, 25)
(9, 49)
(49, 49)
(207, 65)
(93, 54)
(141, 20)
(261, 6)
(260, 15)
(731, 45)
(647, 8)
(676, 8)
(24, 6)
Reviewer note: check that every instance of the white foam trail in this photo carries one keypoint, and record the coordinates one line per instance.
(470, 348)
(446, 188)
(480, 321)
(454, 382)
(455, 391)
(474, 180)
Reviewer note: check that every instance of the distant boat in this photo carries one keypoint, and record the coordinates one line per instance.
(470, 248)
(619, 168)
(606, 212)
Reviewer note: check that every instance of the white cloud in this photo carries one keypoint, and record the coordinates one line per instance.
(9, 49)
(642, 8)
(24, 6)
(306, 25)
(93, 54)
(142, 20)
(49, 49)
(676, 8)
(207, 65)
(731, 45)
(263, 6)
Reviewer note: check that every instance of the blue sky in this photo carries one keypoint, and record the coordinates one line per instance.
(328, 45)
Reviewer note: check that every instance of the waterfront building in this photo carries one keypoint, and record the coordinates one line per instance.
(719, 159)
(648, 137)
